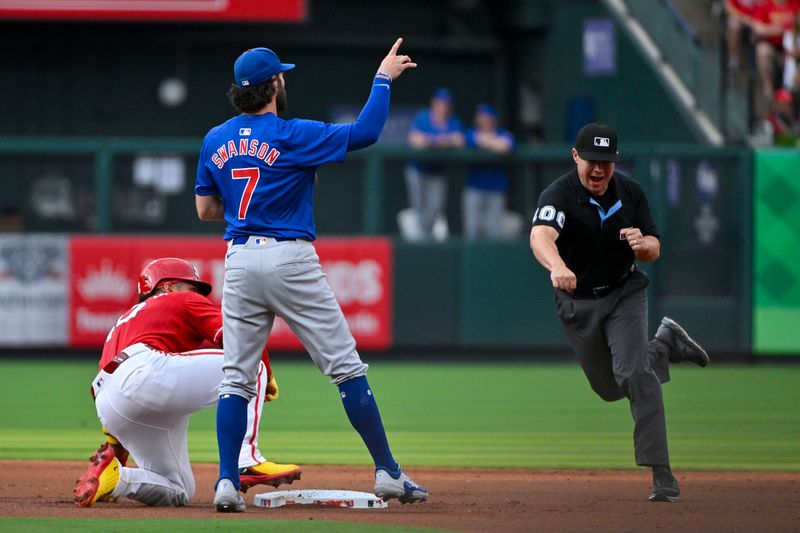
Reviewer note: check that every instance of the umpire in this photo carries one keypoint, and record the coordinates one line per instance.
(590, 227)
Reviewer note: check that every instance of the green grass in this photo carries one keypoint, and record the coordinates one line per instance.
(450, 414)
(90, 525)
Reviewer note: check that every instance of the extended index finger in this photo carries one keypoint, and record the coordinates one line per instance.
(395, 46)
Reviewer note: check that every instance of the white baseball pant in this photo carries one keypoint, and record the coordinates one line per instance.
(146, 404)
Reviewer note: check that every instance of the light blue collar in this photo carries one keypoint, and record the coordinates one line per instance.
(602, 212)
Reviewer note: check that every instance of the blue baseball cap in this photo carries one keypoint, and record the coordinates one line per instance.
(257, 65)
(443, 93)
(486, 109)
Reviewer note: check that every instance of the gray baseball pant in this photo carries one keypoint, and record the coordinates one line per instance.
(609, 336)
(482, 212)
(264, 278)
(427, 196)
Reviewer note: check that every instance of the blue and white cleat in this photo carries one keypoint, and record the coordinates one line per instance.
(227, 499)
(403, 488)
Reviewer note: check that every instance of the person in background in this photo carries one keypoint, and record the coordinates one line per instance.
(771, 18)
(484, 199)
(782, 118)
(791, 51)
(740, 19)
(434, 127)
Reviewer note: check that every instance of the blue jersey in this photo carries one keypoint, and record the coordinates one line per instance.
(423, 123)
(263, 169)
(487, 177)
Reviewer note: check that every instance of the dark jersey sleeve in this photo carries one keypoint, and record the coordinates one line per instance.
(551, 209)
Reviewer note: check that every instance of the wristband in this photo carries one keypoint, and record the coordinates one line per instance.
(384, 75)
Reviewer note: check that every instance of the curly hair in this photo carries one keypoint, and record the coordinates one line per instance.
(251, 99)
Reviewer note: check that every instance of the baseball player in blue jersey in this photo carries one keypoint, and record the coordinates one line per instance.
(256, 172)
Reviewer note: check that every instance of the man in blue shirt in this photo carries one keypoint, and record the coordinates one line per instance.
(484, 200)
(257, 173)
(426, 183)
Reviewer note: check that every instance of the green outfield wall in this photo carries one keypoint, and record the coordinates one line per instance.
(461, 294)
(776, 258)
(472, 295)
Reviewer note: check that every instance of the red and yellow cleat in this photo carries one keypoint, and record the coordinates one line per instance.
(268, 473)
(100, 478)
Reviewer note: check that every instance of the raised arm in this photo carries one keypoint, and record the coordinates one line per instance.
(369, 124)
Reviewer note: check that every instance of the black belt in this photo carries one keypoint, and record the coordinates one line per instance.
(602, 290)
(112, 365)
(243, 239)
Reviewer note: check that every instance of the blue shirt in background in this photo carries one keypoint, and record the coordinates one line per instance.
(487, 177)
(424, 124)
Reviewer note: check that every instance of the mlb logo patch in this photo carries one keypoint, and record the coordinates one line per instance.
(244, 131)
(603, 142)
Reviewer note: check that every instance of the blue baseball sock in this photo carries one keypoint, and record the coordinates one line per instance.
(231, 428)
(361, 409)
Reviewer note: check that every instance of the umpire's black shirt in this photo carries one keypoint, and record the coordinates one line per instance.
(589, 226)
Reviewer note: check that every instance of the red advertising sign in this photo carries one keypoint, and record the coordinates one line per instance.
(105, 269)
(102, 287)
(162, 10)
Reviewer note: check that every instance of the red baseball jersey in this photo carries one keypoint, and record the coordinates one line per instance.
(743, 7)
(171, 322)
(774, 14)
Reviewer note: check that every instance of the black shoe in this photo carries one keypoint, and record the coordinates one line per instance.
(665, 486)
(682, 346)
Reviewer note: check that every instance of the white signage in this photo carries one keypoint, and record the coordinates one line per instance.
(34, 289)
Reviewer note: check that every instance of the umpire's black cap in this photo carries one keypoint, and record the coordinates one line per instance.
(597, 142)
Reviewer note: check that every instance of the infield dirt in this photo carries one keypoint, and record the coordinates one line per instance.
(491, 500)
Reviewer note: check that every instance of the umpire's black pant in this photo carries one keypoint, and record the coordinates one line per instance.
(609, 335)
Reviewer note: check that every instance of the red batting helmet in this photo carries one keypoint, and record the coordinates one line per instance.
(170, 268)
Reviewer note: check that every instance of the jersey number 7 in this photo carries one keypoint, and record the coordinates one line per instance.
(251, 175)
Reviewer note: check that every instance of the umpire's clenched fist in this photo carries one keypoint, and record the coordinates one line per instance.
(563, 278)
